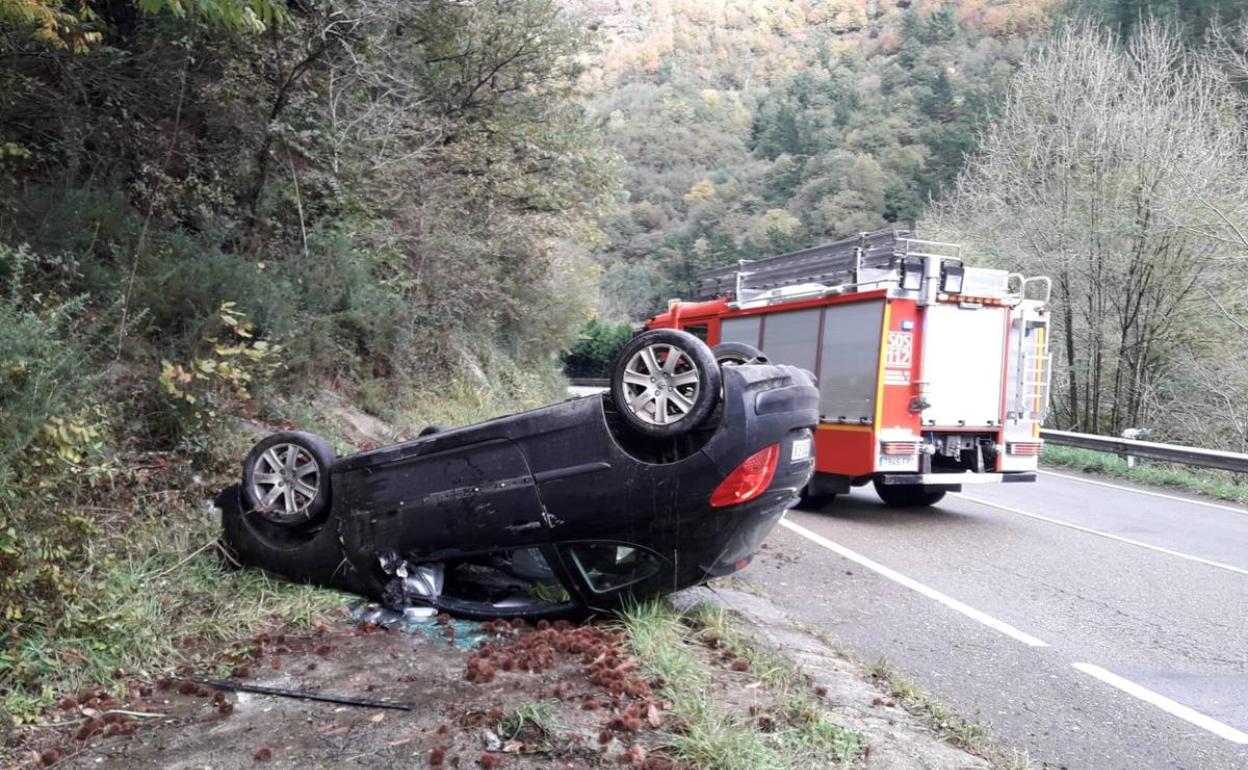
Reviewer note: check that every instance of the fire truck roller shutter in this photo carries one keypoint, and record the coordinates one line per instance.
(849, 362)
(793, 337)
(743, 330)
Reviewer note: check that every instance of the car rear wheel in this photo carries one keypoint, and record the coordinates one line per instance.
(286, 479)
(737, 354)
(310, 555)
(665, 383)
(908, 495)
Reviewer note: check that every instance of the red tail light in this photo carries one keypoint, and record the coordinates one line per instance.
(899, 447)
(749, 480)
(1025, 449)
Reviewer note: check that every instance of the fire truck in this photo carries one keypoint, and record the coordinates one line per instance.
(932, 373)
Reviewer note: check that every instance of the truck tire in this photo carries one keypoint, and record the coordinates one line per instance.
(908, 495)
(665, 383)
(815, 502)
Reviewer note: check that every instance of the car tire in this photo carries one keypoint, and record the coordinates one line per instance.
(312, 555)
(660, 397)
(737, 354)
(286, 479)
(908, 495)
(811, 502)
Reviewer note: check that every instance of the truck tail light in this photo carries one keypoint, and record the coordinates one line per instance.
(1025, 448)
(899, 447)
(750, 479)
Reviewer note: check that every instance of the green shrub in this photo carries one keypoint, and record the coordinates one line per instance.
(52, 437)
(218, 379)
(596, 348)
(44, 363)
(325, 306)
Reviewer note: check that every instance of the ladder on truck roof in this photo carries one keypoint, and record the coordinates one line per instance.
(867, 258)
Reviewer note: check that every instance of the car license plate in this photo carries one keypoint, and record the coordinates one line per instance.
(800, 450)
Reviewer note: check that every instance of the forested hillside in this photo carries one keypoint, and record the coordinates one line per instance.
(1113, 160)
(1119, 167)
(747, 128)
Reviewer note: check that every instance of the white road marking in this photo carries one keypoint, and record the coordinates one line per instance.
(1148, 492)
(914, 585)
(1098, 533)
(1171, 707)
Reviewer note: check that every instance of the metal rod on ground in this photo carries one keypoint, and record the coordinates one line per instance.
(345, 700)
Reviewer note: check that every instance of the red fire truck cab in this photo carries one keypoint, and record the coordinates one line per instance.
(932, 374)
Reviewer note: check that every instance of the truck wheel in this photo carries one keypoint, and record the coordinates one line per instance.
(908, 495)
(665, 383)
(737, 354)
(286, 479)
(816, 502)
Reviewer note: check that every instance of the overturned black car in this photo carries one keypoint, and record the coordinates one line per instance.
(672, 477)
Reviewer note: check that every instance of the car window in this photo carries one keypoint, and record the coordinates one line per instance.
(608, 566)
(697, 330)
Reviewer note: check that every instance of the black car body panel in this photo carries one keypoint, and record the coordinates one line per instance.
(609, 514)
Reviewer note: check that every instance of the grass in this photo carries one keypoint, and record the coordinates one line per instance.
(141, 599)
(736, 583)
(951, 728)
(540, 715)
(815, 735)
(1222, 485)
(712, 736)
(462, 401)
(155, 578)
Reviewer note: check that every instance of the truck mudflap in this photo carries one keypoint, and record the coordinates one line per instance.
(953, 479)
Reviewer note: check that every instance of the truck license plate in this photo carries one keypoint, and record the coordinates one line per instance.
(800, 450)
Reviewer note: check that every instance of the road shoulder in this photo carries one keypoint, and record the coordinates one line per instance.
(862, 697)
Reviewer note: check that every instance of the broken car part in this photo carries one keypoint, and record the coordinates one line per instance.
(346, 700)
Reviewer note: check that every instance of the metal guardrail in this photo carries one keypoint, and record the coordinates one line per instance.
(1149, 450)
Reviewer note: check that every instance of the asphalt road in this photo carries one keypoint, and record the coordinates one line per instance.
(1087, 624)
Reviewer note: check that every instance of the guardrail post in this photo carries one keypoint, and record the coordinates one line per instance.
(1132, 434)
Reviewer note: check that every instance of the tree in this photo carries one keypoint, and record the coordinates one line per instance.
(1119, 171)
(77, 24)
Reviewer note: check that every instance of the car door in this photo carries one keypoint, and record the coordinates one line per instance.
(469, 499)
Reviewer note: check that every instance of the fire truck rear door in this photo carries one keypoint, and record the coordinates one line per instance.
(963, 362)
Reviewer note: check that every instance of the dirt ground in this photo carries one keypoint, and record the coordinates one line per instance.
(468, 686)
(469, 695)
